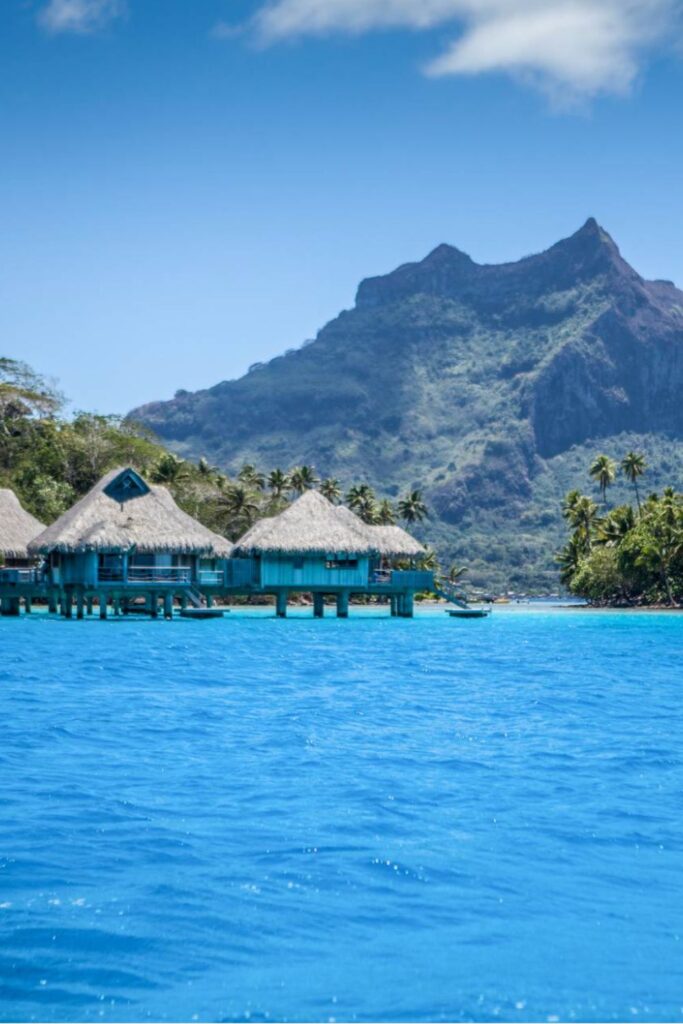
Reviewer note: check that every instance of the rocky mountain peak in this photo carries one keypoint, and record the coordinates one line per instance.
(481, 384)
(443, 271)
(449, 272)
(589, 252)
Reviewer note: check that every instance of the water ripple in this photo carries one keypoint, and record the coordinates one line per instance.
(365, 820)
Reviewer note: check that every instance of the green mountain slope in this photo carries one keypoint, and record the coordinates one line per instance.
(487, 386)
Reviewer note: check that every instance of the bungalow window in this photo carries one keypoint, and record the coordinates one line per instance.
(341, 563)
(145, 561)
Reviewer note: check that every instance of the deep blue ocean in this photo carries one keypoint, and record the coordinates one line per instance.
(254, 819)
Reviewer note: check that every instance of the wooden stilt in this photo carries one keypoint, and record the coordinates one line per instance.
(154, 605)
(79, 604)
(168, 606)
(318, 605)
(28, 604)
(209, 600)
(88, 604)
(281, 604)
(343, 604)
(103, 606)
(394, 604)
(69, 599)
(53, 601)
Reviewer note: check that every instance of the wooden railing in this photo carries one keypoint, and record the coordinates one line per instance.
(20, 576)
(110, 575)
(403, 579)
(211, 577)
(145, 574)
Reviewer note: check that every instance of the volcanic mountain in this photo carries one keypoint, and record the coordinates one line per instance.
(488, 386)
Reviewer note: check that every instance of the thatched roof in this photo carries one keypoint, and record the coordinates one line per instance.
(123, 513)
(17, 526)
(311, 525)
(389, 541)
(395, 542)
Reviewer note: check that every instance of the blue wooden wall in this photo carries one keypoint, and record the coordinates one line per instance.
(311, 571)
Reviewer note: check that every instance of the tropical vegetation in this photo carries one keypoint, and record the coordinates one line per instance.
(51, 459)
(624, 555)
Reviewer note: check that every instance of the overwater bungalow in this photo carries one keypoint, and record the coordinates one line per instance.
(17, 529)
(319, 548)
(127, 535)
(127, 545)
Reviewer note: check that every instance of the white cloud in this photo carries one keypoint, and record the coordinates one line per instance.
(79, 16)
(577, 47)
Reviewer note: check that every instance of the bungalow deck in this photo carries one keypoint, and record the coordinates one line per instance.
(161, 590)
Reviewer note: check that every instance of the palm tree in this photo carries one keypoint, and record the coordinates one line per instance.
(210, 474)
(604, 471)
(412, 508)
(616, 526)
(662, 545)
(429, 561)
(584, 519)
(634, 465)
(451, 579)
(278, 482)
(251, 477)
(302, 478)
(569, 559)
(569, 503)
(385, 513)
(358, 494)
(366, 508)
(239, 508)
(330, 489)
(170, 470)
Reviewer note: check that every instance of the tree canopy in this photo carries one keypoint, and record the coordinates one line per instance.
(625, 555)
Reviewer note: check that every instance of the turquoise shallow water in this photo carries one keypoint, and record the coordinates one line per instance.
(372, 818)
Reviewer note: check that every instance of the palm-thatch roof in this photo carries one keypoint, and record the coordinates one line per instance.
(17, 526)
(123, 513)
(389, 541)
(395, 542)
(311, 525)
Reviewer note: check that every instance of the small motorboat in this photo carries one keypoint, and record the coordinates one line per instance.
(202, 613)
(468, 613)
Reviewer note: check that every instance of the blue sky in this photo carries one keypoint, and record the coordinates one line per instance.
(188, 188)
